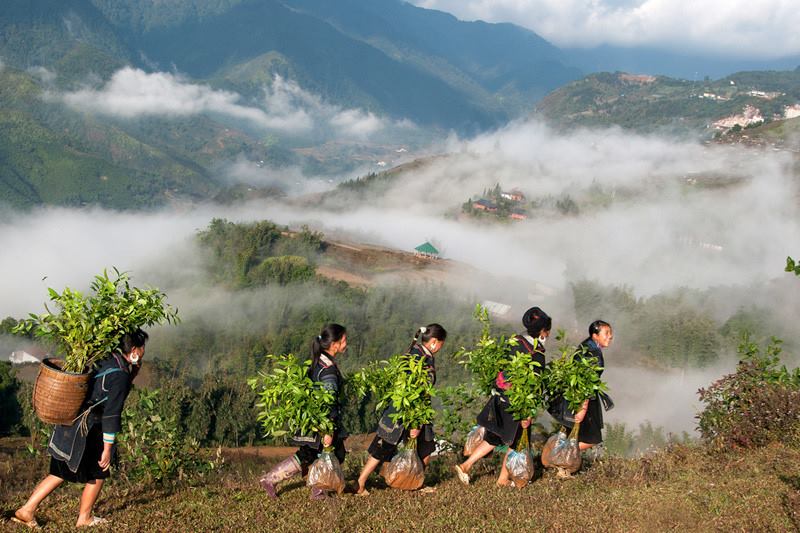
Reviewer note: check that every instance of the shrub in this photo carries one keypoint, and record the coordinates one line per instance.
(756, 405)
(9, 402)
(153, 447)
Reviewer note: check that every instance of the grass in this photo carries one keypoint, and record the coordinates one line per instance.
(684, 488)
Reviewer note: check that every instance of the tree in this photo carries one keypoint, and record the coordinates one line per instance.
(792, 266)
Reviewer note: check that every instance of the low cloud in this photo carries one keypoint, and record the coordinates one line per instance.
(654, 215)
(286, 107)
(733, 28)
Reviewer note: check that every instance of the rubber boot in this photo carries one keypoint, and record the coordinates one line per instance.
(318, 494)
(280, 472)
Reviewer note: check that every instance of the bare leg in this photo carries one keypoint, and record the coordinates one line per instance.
(42, 490)
(483, 449)
(426, 461)
(585, 446)
(369, 467)
(90, 494)
(502, 479)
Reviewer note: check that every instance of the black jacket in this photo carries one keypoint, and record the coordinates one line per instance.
(110, 386)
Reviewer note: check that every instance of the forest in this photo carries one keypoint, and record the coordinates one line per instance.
(201, 366)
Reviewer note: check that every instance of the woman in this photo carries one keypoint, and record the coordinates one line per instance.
(325, 347)
(590, 416)
(428, 340)
(82, 453)
(501, 427)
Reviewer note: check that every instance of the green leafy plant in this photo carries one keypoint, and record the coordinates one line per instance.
(489, 356)
(456, 417)
(574, 375)
(757, 404)
(526, 395)
(154, 448)
(404, 383)
(290, 402)
(792, 266)
(85, 329)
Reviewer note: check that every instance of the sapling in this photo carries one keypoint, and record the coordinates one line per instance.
(574, 376)
(87, 328)
(290, 402)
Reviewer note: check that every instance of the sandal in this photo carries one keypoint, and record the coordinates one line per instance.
(32, 523)
(97, 521)
(427, 490)
(362, 492)
(463, 477)
(563, 474)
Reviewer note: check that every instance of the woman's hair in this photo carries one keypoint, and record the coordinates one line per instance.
(330, 333)
(535, 321)
(426, 333)
(131, 340)
(596, 326)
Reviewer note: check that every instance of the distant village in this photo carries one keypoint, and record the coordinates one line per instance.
(498, 203)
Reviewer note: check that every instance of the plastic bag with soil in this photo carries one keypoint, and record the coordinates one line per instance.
(474, 439)
(326, 473)
(405, 471)
(562, 450)
(520, 463)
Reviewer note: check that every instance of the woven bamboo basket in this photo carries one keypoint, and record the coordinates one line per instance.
(58, 395)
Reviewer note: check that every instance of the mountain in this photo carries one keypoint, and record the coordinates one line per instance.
(658, 103)
(384, 56)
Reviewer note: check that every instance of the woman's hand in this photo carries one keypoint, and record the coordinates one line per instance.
(580, 415)
(526, 423)
(105, 457)
(414, 433)
(327, 440)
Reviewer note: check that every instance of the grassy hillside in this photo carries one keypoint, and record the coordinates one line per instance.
(685, 489)
(665, 104)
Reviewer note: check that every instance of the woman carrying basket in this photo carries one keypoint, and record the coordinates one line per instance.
(501, 429)
(83, 452)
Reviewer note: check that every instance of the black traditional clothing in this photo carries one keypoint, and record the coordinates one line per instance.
(390, 434)
(501, 427)
(327, 373)
(77, 448)
(592, 425)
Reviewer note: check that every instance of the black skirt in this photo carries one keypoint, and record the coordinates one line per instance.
(591, 428)
(383, 450)
(501, 427)
(495, 440)
(306, 455)
(88, 469)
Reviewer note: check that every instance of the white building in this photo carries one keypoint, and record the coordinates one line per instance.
(20, 357)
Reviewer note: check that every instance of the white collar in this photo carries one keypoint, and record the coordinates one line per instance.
(325, 360)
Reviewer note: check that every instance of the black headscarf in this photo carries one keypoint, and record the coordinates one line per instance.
(535, 320)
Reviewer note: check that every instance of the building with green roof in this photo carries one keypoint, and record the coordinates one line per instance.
(428, 250)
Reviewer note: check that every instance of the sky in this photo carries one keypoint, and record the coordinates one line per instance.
(745, 29)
